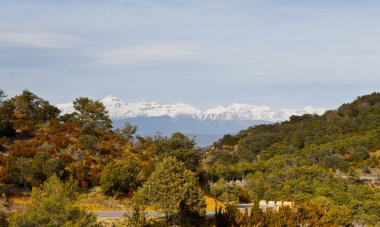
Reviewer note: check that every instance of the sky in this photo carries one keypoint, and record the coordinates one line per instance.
(280, 53)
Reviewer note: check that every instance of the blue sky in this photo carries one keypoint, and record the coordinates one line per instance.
(284, 53)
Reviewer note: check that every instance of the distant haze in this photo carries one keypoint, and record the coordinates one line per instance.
(208, 125)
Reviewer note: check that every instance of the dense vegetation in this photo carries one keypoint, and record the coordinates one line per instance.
(307, 158)
(37, 143)
(312, 160)
(52, 205)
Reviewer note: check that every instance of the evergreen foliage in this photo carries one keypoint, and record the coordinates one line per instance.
(53, 205)
(315, 161)
(92, 114)
(308, 157)
(119, 178)
(173, 190)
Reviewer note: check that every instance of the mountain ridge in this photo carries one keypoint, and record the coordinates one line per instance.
(208, 125)
(118, 110)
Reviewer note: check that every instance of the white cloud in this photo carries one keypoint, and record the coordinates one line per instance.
(44, 40)
(147, 52)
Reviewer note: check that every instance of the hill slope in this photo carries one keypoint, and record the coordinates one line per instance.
(349, 132)
(309, 157)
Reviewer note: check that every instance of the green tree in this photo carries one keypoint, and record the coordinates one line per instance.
(88, 142)
(179, 146)
(257, 183)
(33, 172)
(2, 95)
(6, 120)
(69, 117)
(311, 214)
(119, 178)
(127, 131)
(286, 217)
(29, 110)
(340, 215)
(53, 205)
(228, 193)
(256, 213)
(177, 141)
(92, 114)
(173, 190)
(6, 116)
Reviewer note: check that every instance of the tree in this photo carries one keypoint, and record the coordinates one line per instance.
(92, 114)
(119, 178)
(69, 117)
(256, 213)
(53, 205)
(88, 142)
(29, 110)
(179, 146)
(224, 191)
(311, 214)
(173, 190)
(6, 118)
(190, 158)
(2, 96)
(340, 215)
(127, 131)
(257, 184)
(286, 217)
(33, 172)
(177, 141)
(180, 141)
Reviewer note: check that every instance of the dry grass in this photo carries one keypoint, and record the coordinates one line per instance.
(18, 201)
(212, 203)
(96, 201)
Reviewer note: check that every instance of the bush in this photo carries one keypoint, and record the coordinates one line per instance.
(119, 178)
(53, 205)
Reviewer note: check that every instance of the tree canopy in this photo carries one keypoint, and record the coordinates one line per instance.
(92, 114)
(309, 159)
(53, 205)
(119, 178)
(173, 190)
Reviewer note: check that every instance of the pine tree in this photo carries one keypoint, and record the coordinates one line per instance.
(53, 205)
(92, 114)
(173, 190)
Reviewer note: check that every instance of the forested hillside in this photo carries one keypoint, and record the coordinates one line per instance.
(326, 158)
(315, 161)
(38, 144)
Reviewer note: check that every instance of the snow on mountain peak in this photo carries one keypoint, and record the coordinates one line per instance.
(110, 99)
(238, 111)
(155, 109)
(117, 109)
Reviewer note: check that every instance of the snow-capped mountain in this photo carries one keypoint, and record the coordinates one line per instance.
(208, 125)
(118, 109)
(239, 111)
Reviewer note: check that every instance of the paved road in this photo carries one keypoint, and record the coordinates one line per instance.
(120, 214)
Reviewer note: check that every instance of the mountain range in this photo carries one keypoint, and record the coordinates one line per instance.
(207, 125)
